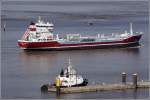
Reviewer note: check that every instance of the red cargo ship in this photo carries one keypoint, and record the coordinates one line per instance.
(40, 36)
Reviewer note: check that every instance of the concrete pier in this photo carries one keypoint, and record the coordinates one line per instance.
(102, 87)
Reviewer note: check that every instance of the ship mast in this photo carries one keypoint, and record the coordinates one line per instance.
(131, 29)
(69, 69)
(69, 65)
(39, 19)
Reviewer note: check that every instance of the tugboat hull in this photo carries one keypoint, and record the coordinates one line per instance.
(85, 82)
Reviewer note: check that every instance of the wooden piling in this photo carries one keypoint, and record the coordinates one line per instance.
(123, 77)
(58, 90)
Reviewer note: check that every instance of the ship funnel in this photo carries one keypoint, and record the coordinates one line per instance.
(131, 29)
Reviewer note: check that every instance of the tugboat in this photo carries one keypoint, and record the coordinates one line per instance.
(68, 77)
(40, 35)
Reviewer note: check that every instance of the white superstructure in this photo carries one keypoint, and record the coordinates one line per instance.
(68, 77)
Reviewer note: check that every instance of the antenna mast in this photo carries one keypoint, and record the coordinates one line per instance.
(39, 19)
(131, 29)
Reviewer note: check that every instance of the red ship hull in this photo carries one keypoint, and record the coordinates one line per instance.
(55, 45)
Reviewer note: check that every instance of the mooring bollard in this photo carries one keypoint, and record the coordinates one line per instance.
(44, 88)
(135, 79)
(124, 77)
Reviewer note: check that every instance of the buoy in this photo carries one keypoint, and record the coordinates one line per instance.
(90, 23)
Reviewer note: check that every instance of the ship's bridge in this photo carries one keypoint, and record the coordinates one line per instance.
(44, 26)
